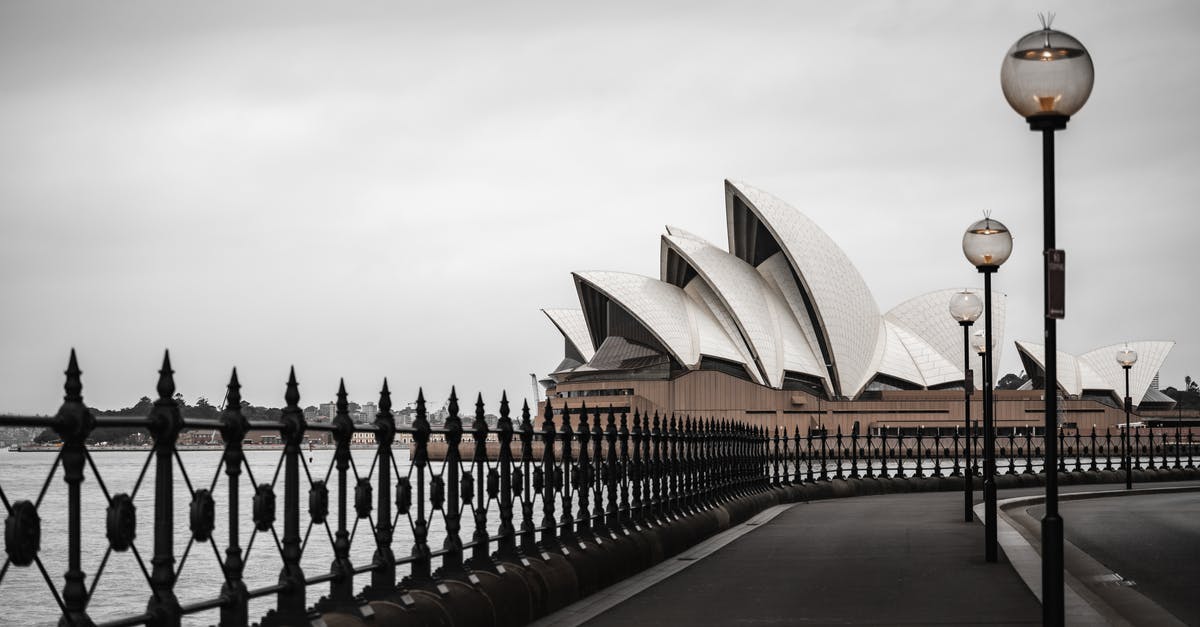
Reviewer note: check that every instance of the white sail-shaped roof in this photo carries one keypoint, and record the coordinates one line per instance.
(846, 316)
(683, 327)
(937, 346)
(1151, 355)
(1067, 366)
(573, 326)
(704, 296)
(761, 314)
(786, 305)
(1098, 369)
(897, 362)
(777, 273)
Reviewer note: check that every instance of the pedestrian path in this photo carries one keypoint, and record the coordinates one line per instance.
(898, 559)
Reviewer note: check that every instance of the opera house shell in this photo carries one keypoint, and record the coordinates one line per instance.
(782, 307)
(779, 327)
(1097, 373)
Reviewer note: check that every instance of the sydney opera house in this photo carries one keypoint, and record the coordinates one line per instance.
(781, 329)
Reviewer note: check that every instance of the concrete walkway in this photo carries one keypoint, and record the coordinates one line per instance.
(898, 559)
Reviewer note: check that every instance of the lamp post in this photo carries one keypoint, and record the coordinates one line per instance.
(987, 244)
(1047, 77)
(1127, 357)
(965, 309)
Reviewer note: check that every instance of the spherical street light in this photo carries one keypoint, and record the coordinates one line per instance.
(1127, 357)
(1047, 77)
(1047, 73)
(965, 308)
(979, 343)
(987, 244)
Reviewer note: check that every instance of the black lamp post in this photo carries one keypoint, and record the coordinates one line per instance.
(987, 244)
(965, 309)
(1047, 77)
(1127, 357)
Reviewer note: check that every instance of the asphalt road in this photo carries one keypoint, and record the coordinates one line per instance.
(1151, 539)
(902, 559)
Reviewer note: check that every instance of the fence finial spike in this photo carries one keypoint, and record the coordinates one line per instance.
(233, 394)
(166, 380)
(453, 408)
(292, 395)
(73, 386)
(385, 398)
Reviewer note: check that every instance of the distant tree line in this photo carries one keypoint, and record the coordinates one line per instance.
(133, 435)
(1188, 397)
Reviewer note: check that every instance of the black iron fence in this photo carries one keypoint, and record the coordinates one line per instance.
(544, 484)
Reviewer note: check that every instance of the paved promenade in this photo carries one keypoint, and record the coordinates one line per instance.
(897, 559)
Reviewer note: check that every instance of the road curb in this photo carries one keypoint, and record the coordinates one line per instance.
(1019, 537)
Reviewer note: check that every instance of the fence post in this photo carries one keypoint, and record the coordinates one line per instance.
(1092, 466)
(165, 423)
(233, 429)
(957, 467)
(1029, 451)
(809, 458)
(824, 457)
(422, 567)
(1062, 446)
(341, 589)
(1178, 444)
(549, 524)
(528, 530)
(869, 455)
(883, 452)
(73, 423)
(673, 468)
(568, 473)
(598, 479)
(637, 472)
(612, 475)
(936, 450)
(480, 553)
(452, 560)
(583, 475)
(797, 478)
(383, 576)
(657, 465)
(291, 601)
(625, 518)
(1108, 448)
(775, 459)
(507, 545)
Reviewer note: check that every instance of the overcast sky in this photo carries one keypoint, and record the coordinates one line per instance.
(369, 190)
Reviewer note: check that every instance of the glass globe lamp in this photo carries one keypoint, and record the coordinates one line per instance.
(965, 307)
(987, 244)
(1126, 357)
(978, 342)
(1047, 73)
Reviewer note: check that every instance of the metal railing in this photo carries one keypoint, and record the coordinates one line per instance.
(598, 476)
(599, 473)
